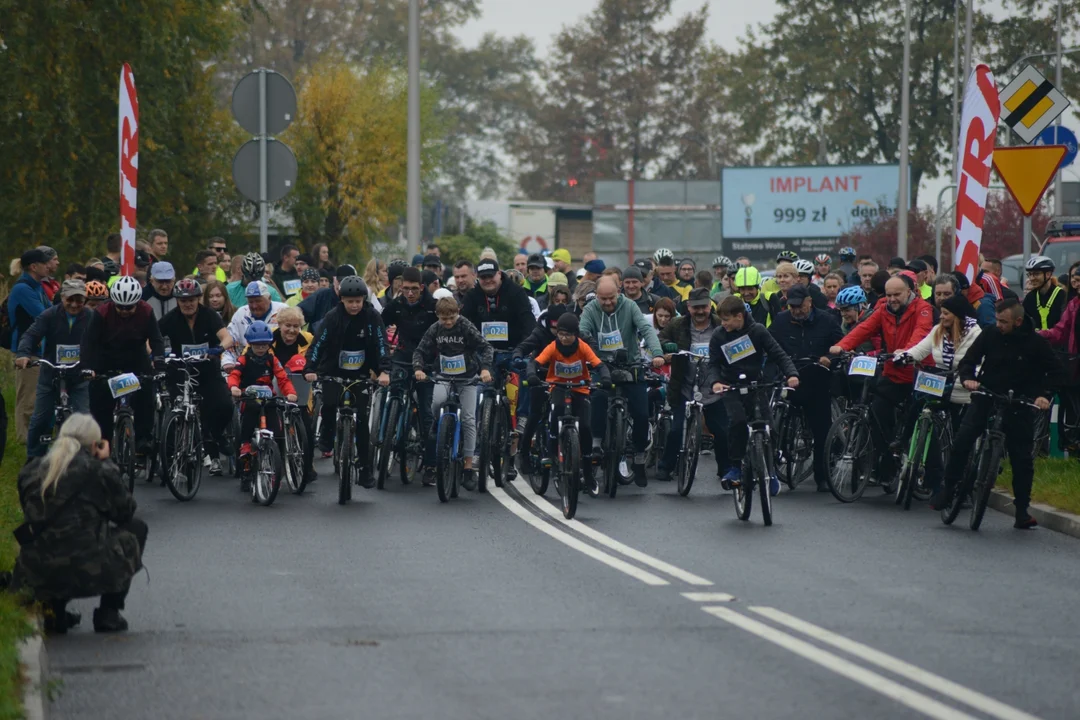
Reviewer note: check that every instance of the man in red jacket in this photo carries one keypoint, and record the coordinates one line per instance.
(901, 322)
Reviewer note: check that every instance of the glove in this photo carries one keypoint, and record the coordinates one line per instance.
(534, 380)
(519, 364)
(903, 360)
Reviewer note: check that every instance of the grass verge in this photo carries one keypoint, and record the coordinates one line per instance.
(14, 621)
(1057, 483)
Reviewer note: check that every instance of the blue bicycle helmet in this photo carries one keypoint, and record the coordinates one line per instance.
(258, 332)
(847, 252)
(850, 296)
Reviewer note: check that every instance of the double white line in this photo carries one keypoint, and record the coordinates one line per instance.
(843, 666)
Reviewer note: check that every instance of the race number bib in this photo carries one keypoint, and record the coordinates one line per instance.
(291, 287)
(863, 365)
(351, 359)
(453, 365)
(123, 385)
(568, 371)
(700, 349)
(930, 384)
(495, 331)
(610, 342)
(201, 350)
(738, 349)
(259, 391)
(67, 354)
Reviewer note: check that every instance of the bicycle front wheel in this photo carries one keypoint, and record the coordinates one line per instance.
(760, 464)
(268, 473)
(570, 470)
(615, 449)
(444, 472)
(910, 474)
(848, 450)
(539, 477)
(689, 458)
(294, 453)
(184, 474)
(485, 439)
(345, 458)
(384, 445)
(124, 454)
(986, 477)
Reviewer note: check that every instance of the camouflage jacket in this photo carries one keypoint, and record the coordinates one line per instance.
(81, 553)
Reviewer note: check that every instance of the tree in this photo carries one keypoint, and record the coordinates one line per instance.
(477, 237)
(350, 141)
(877, 238)
(823, 79)
(59, 66)
(619, 91)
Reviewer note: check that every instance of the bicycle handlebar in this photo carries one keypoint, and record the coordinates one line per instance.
(1005, 398)
(64, 368)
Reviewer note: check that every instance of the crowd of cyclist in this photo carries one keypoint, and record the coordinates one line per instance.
(304, 320)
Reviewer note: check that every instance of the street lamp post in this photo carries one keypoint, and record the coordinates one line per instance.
(905, 117)
(412, 215)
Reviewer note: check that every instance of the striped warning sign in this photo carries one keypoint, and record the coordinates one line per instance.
(1030, 103)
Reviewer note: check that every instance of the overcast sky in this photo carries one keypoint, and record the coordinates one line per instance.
(542, 20)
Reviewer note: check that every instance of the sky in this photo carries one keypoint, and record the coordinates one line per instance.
(728, 20)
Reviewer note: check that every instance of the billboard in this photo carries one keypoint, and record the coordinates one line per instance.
(819, 201)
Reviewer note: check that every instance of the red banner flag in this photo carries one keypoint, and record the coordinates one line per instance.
(978, 129)
(129, 167)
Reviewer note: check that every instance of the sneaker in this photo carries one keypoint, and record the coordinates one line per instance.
(326, 454)
(310, 476)
(663, 474)
(1024, 521)
(109, 620)
(206, 461)
(429, 477)
(733, 477)
(640, 478)
(774, 486)
(215, 468)
(365, 479)
(942, 498)
(468, 480)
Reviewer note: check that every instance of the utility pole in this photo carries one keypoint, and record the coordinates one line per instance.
(905, 118)
(956, 94)
(1059, 200)
(968, 21)
(412, 215)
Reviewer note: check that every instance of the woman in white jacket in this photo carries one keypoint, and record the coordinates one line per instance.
(947, 344)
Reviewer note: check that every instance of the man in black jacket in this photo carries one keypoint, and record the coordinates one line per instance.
(499, 308)
(411, 313)
(806, 333)
(1013, 357)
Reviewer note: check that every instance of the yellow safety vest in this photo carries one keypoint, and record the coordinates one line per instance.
(1044, 310)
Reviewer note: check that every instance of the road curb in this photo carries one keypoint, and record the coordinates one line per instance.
(1047, 516)
(34, 661)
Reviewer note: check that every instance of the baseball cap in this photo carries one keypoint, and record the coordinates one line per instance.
(344, 270)
(256, 289)
(487, 268)
(700, 296)
(595, 266)
(918, 266)
(645, 265)
(562, 255)
(72, 287)
(33, 256)
(432, 260)
(535, 260)
(796, 295)
(162, 270)
(579, 273)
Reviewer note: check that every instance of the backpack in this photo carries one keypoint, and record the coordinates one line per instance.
(7, 329)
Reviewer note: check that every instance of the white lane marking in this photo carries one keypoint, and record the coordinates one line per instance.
(708, 597)
(974, 699)
(878, 683)
(613, 544)
(571, 541)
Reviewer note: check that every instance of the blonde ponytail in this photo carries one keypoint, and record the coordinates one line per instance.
(78, 431)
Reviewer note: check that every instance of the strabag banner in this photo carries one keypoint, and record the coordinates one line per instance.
(129, 167)
(978, 130)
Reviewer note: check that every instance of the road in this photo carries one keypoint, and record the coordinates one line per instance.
(647, 606)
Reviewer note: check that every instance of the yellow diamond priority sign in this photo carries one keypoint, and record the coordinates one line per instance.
(1030, 103)
(1028, 171)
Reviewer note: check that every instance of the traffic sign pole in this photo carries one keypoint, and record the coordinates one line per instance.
(264, 221)
(1027, 239)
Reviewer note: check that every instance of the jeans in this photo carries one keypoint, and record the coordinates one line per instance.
(637, 404)
(715, 418)
(537, 397)
(888, 396)
(816, 404)
(45, 400)
(739, 412)
(425, 392)
(1019, 439)
(466, 416)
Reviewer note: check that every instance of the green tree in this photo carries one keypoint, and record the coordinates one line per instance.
(59, 67)
(477, 237)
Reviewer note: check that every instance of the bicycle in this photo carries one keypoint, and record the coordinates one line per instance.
(63, 409)
(450, 461)
(694, 424)
(984, 462)
(346, 456)
(757, 466)
(159, 460)
(494, 429)
(294, 437)
(662, 421)
(121, 386)
(794, 437)
(849, 445)
(933, 421)
(566, 433)
(617, 447)
(394, 437)
(181, 441)
(267, 458)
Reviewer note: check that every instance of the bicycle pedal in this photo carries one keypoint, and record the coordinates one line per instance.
(547, 463)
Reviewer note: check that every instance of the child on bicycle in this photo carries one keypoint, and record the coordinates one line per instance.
(257, 366)
(741, 347)
(569, 359)
(458, 350)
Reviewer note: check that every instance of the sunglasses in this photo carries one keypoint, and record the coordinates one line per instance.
(219, 249)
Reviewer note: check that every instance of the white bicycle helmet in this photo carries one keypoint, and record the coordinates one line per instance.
(126, 291)
(442, 293)
(661, 254)
(804, 267)
(1040, 263)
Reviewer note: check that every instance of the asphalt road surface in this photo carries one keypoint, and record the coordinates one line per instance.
(647, 606)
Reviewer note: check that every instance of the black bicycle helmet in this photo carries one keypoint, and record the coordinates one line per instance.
(353, 286)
